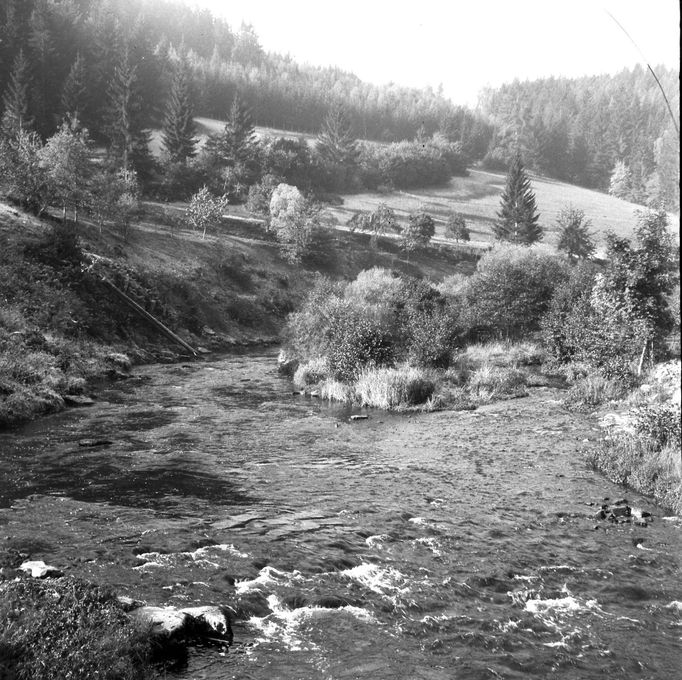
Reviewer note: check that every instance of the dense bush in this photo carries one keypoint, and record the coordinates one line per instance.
(512, 289)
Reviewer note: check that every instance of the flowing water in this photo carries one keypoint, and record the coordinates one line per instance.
(435, 546)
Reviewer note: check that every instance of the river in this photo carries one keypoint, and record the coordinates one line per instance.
(424, 546)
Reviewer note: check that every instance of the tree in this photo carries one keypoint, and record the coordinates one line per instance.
(237, 142)
(293, 220)
(74, 91)
(129, 140)
(575, 238)
(418, 231)
(518, 216)
(114, 195)
(66, 160)
(22, 175)
(377, 223)
(456, 227)
(337, 149)
(620, 184)
(204, 209)
(178, 123)
(16, 98)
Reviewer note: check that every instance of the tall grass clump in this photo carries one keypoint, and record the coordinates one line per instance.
(394, 388)
(311, 373)
(593, 390)
(488, 383)
(647, 458)
(67, 628)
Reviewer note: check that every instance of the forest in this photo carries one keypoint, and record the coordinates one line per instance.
(104, 59)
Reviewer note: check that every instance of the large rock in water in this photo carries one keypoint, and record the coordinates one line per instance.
(210, 624)
(38, 569)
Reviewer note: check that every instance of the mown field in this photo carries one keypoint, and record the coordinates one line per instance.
(477, 197)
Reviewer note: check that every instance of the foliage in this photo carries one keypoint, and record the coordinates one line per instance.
(511, 289)
(575, 238)
(356, 340)
(16, 117)
(337, 150)
(620, 184)
(260, 195)
(377, 223)
(592, 391)
(178, 124)
(68, 629)
(66, 161)
(294, 221)
(518, 216)
(418, 231)
(22, 175)
(205, 210)
(660, 424)
(456, 227)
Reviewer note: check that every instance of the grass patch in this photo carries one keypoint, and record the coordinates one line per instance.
(490, 383)
(66, 628)
(591, 391)
(394, 388)
(311, 373)
(504, 354)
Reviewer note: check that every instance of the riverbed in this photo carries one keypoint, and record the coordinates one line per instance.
(424, 546)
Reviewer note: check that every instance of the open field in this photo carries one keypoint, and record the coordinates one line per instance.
(477, 197)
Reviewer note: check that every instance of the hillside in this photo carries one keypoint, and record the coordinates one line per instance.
(478, 198)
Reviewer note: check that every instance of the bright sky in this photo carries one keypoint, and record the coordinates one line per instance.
(463, 45)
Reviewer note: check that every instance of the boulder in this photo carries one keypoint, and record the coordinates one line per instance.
(38, 569)
(164, 621)
(205, 624)
(209, 623)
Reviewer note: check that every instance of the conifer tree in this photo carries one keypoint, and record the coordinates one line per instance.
(518, 216)
(16, 99)
(44, 56)
(237, 143)
(178, 124)
(336, 144)
(74, 91)
(129, 140)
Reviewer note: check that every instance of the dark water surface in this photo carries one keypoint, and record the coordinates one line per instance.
(434, 546)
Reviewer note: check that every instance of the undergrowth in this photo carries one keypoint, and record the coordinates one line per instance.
(67, 629)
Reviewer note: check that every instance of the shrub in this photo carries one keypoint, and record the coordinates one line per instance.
(260, 195)
(356, 340)
(311, 373)
(512, 288)
(394, 388)
(592, 391)
(293, 220)
(660, 423)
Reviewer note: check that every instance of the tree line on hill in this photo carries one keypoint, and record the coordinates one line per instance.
(610, 132)
(73, 49)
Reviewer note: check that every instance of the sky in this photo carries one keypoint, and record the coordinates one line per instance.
(463, 46)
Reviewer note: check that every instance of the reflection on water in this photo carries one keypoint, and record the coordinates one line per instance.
(425, 546)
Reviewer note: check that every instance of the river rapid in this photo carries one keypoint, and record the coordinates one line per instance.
(424, 546)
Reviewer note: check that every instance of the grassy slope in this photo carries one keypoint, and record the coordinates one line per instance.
(478, 198)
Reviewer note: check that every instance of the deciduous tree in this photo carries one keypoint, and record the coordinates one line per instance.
(575, 238)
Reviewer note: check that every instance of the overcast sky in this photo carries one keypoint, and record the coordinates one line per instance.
(462, 45)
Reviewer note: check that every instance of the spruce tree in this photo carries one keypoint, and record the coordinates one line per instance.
(74, 91)
(129, 140)
(518, 216)
(16, 116)
(178, 124)
(237, 143)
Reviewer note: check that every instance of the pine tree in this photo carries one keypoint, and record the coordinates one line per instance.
(336, 144)
(74, 91)
(43, 54)
(518, 216)
(16, 99)
(178, 125)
